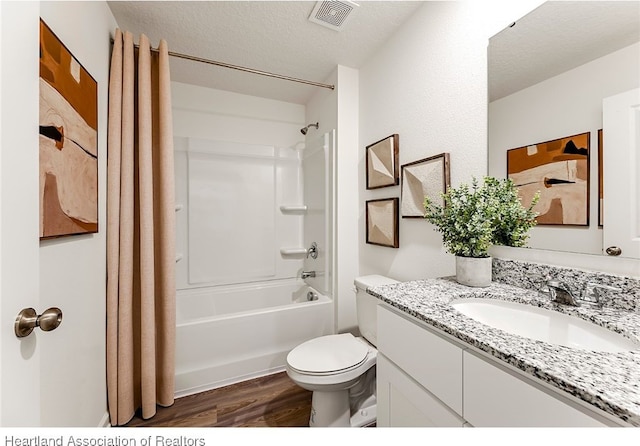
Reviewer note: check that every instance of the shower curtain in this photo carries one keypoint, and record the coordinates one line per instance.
(140, 232)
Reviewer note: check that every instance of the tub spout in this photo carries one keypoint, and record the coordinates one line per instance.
(307, 274)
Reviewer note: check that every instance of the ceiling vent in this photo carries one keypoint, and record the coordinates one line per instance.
(332, 14)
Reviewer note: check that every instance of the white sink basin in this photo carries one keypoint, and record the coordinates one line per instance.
(543, 325)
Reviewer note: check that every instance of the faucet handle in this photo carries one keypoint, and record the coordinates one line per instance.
(541, 282)
(593, 290)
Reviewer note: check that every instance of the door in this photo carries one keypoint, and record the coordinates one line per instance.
(19, 256)
(621, 169)
(52, 378)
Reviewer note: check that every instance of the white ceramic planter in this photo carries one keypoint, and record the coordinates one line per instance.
(473, 271)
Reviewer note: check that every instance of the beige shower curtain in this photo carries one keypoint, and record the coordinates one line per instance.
(140, 232)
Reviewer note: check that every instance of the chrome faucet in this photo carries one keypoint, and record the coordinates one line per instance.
(307, 274)
(561, 293)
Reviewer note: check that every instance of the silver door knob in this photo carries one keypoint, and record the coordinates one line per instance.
(613, 251)
(28, 319)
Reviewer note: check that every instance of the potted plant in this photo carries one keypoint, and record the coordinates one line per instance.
(472, 218)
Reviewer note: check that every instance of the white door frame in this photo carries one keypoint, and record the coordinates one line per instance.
(621, 165)
(19, 220)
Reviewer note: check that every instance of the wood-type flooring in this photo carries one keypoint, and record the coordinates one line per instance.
(272, 400)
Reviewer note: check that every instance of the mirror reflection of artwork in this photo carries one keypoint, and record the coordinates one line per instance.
(68, 142)
(559, 169)
(382, 222)
(382, 162)
(427, 177)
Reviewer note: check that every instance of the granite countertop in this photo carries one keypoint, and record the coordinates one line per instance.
(609, 381)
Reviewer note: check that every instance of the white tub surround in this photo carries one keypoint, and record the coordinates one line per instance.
(242, 235)
(606, 383)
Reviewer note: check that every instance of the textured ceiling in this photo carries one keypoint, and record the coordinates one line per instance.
(558, 36)
(270, 36)
(277, 37)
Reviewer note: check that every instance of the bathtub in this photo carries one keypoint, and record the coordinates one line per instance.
(228, 334)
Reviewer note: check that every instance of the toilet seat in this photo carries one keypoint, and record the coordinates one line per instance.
(328, 355)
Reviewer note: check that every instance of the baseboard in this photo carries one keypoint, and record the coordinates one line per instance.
(105, 421)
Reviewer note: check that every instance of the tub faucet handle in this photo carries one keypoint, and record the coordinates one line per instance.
(307, 274)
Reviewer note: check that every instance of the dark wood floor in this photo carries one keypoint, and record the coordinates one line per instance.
(272, 400)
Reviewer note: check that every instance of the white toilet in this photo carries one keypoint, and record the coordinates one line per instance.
(340, 369)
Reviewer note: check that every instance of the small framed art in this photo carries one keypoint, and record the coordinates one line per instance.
(382, 222)
(428, 177)
(382, 162)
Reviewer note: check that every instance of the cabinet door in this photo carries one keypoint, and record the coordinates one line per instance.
(432, 361)
(404, 403)
(496, 398)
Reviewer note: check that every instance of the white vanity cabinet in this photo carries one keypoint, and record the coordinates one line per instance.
(426, 379)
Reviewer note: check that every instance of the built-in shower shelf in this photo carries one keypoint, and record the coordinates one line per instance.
(293, 252)
(294, 209)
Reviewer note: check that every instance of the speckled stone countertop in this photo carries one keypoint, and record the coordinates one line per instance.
(609, 381)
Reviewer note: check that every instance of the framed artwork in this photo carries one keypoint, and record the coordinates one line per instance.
(428, 177)
(382, 162)
(600, 181)
(68, 142)
(559, 169)
(382, 222)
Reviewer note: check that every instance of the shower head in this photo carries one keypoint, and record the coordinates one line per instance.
(304, 130)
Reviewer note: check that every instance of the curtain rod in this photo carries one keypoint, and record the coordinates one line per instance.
(240, 68)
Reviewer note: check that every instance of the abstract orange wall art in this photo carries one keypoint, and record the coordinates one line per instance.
(559, 169)
(68, 142)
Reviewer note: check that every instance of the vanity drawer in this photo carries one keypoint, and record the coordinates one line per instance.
(434, 362)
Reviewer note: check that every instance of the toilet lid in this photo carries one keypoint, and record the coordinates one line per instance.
(326, 354)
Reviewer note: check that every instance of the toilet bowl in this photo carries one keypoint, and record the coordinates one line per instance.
(340, 369)
(329, 366)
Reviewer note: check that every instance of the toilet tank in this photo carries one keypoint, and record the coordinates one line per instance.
(366, 305)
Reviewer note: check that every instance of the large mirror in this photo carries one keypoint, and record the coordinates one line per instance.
(548, 74)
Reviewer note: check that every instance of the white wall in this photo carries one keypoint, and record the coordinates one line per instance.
(338, 109)
(531, 116)
(73, 269)
(346, 207)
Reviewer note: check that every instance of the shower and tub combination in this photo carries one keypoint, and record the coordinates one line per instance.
(253, 266)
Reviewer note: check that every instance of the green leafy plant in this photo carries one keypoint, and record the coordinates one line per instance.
(475, 217)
